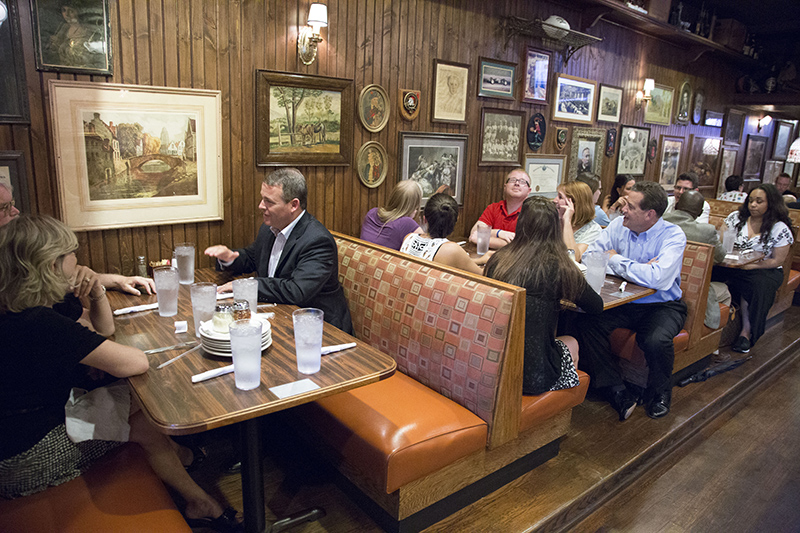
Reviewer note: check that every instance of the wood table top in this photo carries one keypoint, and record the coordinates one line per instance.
(177, 406)
(739, 260)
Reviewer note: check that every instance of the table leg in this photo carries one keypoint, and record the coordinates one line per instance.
(252, 477)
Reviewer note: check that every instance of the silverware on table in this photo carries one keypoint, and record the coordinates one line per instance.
(187, 352)
(173, 347)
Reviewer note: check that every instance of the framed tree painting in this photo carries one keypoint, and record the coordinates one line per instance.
(496, 78)
(670, 161)
(13, 90)
(449, 92)
(704, 155)
(587, 151)
(609, 106)
(659, 109)
(727, 167)
(436, 161)
(13, 176)
(574, 99)
(538, 64)
(754, 154)
(733, 126)
(784, 131)
(632, 152)
(501, 137)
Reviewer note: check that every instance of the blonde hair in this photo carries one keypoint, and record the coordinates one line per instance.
(404, 201)
(581, 196)
(32, 248)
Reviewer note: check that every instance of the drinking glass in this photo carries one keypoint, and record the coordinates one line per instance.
(484, 236)
(184, 252)
(166, 279)
(246, 350)
(728, 238)
(596, 264)
(246, 289)
(308, 339)
(204, 299)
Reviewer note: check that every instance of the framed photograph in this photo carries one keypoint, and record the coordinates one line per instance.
(671, 149)
(586, 155)
(609, 103)
(546, 172)
(373, 108)
(538, 64)
(727, 167)
(632, 153)
(789, 169)
(72, 36)
(713, 119)
(704, 155)
(134, 155)
(697, 107)
(496, 78)
(303, 120)
(784, 131)
(684, 109)
(659, 109)
(450, 82)
(13, 91)
(14, 177)
(372, 163)
(574, 99)
(771, 170)
(437, 161)
(501, 137)
(754, 154)
(733, 126)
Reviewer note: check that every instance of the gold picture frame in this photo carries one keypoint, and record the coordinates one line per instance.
(372, 163)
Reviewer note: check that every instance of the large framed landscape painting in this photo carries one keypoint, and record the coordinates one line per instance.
(303, 120)
(659, 109)
(436, 161)
(131, 155)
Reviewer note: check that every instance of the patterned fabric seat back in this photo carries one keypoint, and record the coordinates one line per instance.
(695, 276)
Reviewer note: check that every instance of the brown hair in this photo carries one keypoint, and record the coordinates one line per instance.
(581, 196)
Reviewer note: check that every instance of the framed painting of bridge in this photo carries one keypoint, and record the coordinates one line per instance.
(131, 155)
(303, 120)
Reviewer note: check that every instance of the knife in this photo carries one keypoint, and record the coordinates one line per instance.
(173, 347)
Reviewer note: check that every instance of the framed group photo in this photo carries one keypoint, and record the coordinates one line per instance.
(496, 78)
(670, 161)
(538, 64)
(659, 109)
(609, 103)
(632, 152)
(586, 155)
(501, 137)
(574, 99)
(449, 92)
(436, 161)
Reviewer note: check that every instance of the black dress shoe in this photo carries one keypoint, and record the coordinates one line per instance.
(659, 405)
(623, 403)
(224, 523)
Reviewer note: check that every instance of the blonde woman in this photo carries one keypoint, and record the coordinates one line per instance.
(576, 210)
(388, 226)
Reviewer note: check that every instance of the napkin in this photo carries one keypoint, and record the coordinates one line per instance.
(135, 308)
(212, 373)
(101, 414)
(337, 348)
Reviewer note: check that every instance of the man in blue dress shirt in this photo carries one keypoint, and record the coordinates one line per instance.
(648, 251)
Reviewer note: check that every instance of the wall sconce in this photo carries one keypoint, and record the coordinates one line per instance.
(649, 85)
(3, 12)
(309, 37)
(763, 121)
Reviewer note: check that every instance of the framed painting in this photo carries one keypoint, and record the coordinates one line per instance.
(72, 36)
(546, 172)
(713, 119)
(704, 155)
(14, 177)
(501, 137)
(697, 106)
(670, 161)
(437, 161)
(13, 91)
(659, 109)
(733, 126)
(632, 153)
(538, 64)
(373, 108)
(727, 167)
(134, 155)
(771, 170)
(574, 99)
(303, 120)
(496, 78)
(683, 111)
(609, 103)
(449, 92)
(754, 153)
(784, 131)
(372, 163)
(586, 155)
(789, 169)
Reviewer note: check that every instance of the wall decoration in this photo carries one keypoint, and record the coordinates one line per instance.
(632, 150)
(652, 148)
(697, 107)
(14, 177)
(574, 99)
(671, 149)
(132, 155)
(771, 170)
(704, 155)
(659, 109)
(733, 126)
(588, 145)
(373, 107)
(537, 129)
(372, 164)
(538, 64)
(449, 92)
(303, 120)
(684, 110)
(609, 103)
(713, 119)
(611, 142)
(784, 132)
(496, 78)
(409, 103)
(561, 138)
(72, 36)
(437, 161)
(546, 172)
(13, 90)
(727, 167)
(789, 169)
(501, 137)
(754, 154)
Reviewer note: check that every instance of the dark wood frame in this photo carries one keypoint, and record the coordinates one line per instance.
(386, 107)
(621, 141)
(526, 77)
(733, 126)
(359, 169)
(602, 88)
(697, 107)
(508, 112)
(488, 93)
(15, 161)
(751, 140)
(592, 110)
(784, 152)
(12, 64)
(265, 79)
(53, 8)
(685, 87)
(694, 141)
(436, 64)
(405, 173)
(660, 170)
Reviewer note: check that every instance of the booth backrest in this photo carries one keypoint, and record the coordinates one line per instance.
(698, 258)
(446, 328)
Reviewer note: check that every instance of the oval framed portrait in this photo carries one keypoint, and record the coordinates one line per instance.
(697, 108)
(683, 113)
(373, 107)
(372, 163)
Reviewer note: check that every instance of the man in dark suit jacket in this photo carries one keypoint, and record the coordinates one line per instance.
(294, 254)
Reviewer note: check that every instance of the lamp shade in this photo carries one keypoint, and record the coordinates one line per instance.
(649, 85)
(318, 15)
(794, 152)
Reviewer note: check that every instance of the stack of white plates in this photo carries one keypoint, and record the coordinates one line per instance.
(218, 343)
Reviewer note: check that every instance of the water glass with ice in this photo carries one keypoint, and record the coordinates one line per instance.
(728, 238)
(204, 299)
(184, 252)
(596, 264)
(246, 289)
(166, 279)
(308, 339)
(484, 236)
(246, 351)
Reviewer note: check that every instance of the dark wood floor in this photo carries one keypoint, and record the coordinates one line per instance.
(726, 458)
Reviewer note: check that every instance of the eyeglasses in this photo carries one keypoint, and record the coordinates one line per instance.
(6, 207)
(518, 181)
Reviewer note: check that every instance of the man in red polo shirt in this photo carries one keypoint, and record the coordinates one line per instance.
(502, 216)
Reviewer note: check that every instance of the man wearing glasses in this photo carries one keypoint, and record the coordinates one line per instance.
(502, 216)
(7, 209)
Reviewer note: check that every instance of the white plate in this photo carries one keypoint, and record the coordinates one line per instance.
(226, 345)
(207, 329)
(227, 353)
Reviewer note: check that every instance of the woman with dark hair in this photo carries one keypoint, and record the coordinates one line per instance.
(762, 224)
(441, 214)
(389, 225)
(574, 202)
(614, 202)
(537, 260)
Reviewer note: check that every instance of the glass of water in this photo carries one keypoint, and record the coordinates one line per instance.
(308, 339)
(204, 300)
(184, 252)
(246, 350)
(166, 279)
(246, 289)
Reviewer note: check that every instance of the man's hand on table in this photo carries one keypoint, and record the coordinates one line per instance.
(221, 252)
(227, 287)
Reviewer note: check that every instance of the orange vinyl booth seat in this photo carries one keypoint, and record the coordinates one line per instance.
(119, 493)
(452, 423)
